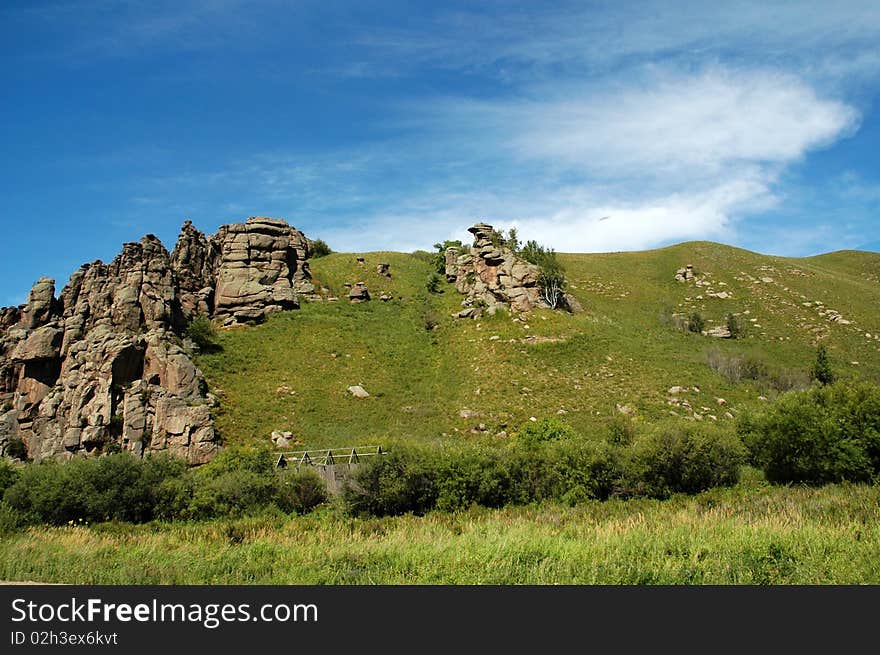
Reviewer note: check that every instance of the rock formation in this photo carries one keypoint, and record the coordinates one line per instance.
(358, 293)
(685, 274)
(492, 277)
(103, 366)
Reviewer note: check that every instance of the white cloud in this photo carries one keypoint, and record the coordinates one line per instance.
(663, 123)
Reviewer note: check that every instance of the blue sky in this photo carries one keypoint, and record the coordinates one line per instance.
(393, 125)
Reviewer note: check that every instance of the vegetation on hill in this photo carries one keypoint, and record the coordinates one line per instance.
(423, 368)
(535, 448)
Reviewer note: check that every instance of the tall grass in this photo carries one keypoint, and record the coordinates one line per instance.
(751, 534)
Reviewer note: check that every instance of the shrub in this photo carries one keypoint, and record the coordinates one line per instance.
(548, 429)
(431, 319)
(696, 323)
(683, 460)
(300, 491)
(825, 434)
(124, 488)
(16, 449)
(738, 368)
(319, 248)
(203, 333)
(821, 371)
(8, 475)
(395, 483)
(243, 480)
(439, 258)
(99, 489)
(434, 284)
(733, 326)
(551, 275)
(10, 519)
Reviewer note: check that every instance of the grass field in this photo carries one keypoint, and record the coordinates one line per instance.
(750, 534)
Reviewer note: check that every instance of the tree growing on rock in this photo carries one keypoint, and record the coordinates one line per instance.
(439, 258)
(551, 274)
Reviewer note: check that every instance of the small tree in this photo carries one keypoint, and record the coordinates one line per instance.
(696, 323)
(319, 248)
(439, 258)
(201, 330)
(433, 285)
(733, 327)
(551, 275)
(822, 372)
(512, 240)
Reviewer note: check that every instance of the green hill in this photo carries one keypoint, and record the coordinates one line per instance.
(423, 368)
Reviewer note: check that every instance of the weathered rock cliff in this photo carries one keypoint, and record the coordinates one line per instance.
(103, 365)
(492, 277)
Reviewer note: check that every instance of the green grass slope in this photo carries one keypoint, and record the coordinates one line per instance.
(293, 372)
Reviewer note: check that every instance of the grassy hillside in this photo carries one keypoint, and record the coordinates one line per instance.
(292, 373)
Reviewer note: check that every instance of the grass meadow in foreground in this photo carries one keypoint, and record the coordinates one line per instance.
(751, 534)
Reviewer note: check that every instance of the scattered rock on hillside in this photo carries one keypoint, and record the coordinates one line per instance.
(685, 274)
(384, 270)
(358, 293)
(282, 439)
(358, 391)
(720, 332)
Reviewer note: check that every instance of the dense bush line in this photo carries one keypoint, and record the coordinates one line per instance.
(823, 434)
(125, 488)
(548, 461)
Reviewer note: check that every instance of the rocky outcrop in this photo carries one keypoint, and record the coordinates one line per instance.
(358, 293)
(261, 269)
(492, 277)
(685, 274)
(103, 366)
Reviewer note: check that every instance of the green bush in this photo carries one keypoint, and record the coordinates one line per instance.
(203, 333)
(696, 323)
(122, 487)
(548, 429)
(319, 248)
(11, 520)
(821, 371)
(560, 468)
(733, 326)
(16, 449)
(683, 460)
(243, 480)
(398, 482)
(438, 259)
(434, 284)
(825, 434)
(551, 274)
(116, 487)
(8, 475)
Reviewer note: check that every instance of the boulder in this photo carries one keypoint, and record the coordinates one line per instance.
(358, 293)
(358, 391)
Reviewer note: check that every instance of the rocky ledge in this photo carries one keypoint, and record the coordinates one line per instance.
(103, 366)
